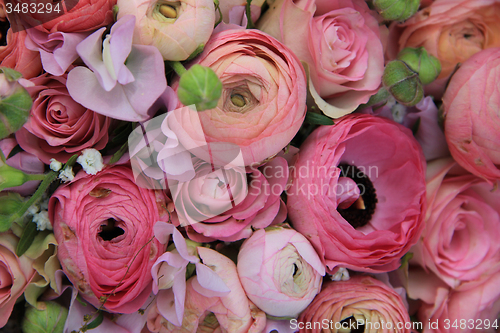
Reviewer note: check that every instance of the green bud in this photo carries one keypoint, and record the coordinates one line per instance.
(403, 83)
(427, 66)
(200, 86)
(11, 177)
(49, 320)
(15, 102)
(10, 203)
(396, 10)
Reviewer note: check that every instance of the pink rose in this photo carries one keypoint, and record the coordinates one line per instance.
(451, 30)
(472, 120)
(360, 304)
(386, 163)
(206, 313)
(263, 101)
(59, 127)
(24, 161)
(176, 28)
(15, 274)
(462, 227)
(340, 42)
(280, 271)
(104, 227)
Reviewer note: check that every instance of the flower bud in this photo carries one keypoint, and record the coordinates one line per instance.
(49, 320)
(10, 203)
(403, 83)
(427, 66)
(15, 103)
(200, 86)
(9, 176)
(396, 10)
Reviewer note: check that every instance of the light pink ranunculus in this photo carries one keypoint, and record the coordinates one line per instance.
(104, 227)
(263, 102)
(386, 163)
(59, 127)
(15, 274)
(362, 300)
(207, 313)
(472, 119)
(177, 35)
(280, 271)
(340, 42)
(460, 239)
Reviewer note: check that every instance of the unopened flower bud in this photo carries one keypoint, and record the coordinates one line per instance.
(9, 176)
(403, 83)
(200, 86)
(427, 66)
(10, 203)
(49, 320)
(396, 10)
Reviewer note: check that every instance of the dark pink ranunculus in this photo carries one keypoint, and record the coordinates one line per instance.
(472, 119)
(358, 193)
(340, 42)
(59, 127)
(104, 227)
(462, 227)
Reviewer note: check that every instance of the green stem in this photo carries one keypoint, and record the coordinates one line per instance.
(39, 176)
(178, 67)
(250, 24)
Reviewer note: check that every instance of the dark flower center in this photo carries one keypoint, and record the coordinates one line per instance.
(359, 213)
(352, 324)
(109, 230)
(4, 27)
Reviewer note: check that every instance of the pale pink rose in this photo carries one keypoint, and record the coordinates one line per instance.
(59, 127)
(229, 8)
(340, 42)
(362, 300)
(386, 163)
(206, 313)
(15, 274)
(104, 227)
(451, 30)
(263, 102)
(472, 120)
(176, 37)
(280, 271)
(24, 161)
(462, 227)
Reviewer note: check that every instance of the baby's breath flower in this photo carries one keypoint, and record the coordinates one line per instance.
(91, 161)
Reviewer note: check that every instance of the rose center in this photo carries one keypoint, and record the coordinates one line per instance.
(361, 212)
(4, 27)
(109, 230)
(352, 325)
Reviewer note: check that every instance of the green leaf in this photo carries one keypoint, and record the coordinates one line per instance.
(116, 156)
(416, 126)
(200, 86)
(14, 111)
(29, 233)
(96, 322)
(10, 74)
(318, 119)
(406, 258)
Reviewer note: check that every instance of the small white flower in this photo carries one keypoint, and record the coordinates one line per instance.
(33, 209)
(341, 275)
(66, 175)
(42, 220)
(55, 165)
(91, 161)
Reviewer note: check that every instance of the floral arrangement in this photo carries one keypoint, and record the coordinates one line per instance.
(249, 166)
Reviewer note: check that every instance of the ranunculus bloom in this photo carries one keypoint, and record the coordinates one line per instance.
(15, 274)
(280, 271)
(263, 101)
(462, 228)
(187, 24)
(361, 299)
(369, 231)
(472, 120)
(340, 42)
(451, 30)
(204, 312)
(14, 53)
(24, 161)
(104, 227)
(59, 127)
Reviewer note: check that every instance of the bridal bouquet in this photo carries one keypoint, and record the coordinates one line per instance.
(249, 166)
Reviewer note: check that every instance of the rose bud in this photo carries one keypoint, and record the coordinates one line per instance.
(396, 10)
(176, 28)
(280, 271)
(403, 83)
(49, 320)
(471, 117)
(427, 66)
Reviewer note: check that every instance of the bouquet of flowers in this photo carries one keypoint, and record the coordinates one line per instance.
(249, 166)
